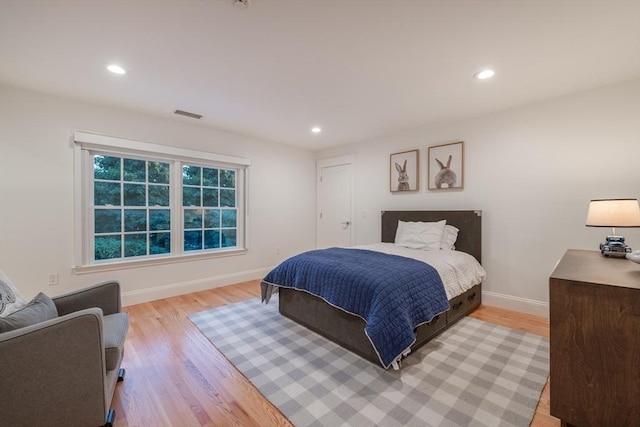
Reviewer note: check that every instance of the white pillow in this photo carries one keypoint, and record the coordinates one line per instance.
(10, 299)
(449, 238)
(420, 235)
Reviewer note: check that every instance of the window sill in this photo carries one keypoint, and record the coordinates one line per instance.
(147, 262)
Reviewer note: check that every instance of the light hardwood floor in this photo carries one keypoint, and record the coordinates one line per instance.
(176, 377)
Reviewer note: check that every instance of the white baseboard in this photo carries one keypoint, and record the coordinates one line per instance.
(508, 302)
(166, 291)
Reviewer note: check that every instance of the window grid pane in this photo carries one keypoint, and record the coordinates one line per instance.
(108, 247)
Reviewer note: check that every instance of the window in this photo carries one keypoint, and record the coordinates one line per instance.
(209, 208)
(142, 202)
(131, 207)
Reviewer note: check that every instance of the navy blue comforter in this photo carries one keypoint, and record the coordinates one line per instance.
(393, 294)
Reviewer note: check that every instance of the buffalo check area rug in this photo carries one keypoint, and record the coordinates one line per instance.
(474, 374)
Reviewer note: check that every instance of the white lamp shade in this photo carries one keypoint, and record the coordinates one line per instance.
(614, 213)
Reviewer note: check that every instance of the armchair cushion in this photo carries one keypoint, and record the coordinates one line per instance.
(115, 331)
(39, 309)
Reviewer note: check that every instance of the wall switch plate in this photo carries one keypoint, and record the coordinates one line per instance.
(53, 279)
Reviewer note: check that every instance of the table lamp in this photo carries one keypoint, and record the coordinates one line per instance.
(614, 213)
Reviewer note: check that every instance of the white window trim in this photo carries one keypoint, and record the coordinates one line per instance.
(96, 141)
(86, 141)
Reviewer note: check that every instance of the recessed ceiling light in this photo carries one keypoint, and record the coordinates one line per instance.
(316, 130)
(484, 74)
(116, 69)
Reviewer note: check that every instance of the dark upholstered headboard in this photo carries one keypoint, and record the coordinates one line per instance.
(468, 222)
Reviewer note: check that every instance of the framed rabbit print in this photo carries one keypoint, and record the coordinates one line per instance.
(445, 166)
(403, 172)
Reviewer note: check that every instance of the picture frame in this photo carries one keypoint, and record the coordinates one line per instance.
(445, 166)
(404, 171)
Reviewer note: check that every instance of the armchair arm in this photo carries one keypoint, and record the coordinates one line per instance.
(54, 372)
(104, 295)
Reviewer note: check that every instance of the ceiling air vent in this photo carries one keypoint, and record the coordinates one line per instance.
(241, 4)
(187, 114)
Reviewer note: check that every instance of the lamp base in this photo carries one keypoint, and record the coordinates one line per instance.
(615, 247)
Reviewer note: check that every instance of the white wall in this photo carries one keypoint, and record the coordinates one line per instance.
(532, 171)
(36, 197)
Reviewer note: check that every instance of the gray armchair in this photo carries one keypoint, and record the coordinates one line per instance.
(64, 371)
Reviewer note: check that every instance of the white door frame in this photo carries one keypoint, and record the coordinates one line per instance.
(349, 159)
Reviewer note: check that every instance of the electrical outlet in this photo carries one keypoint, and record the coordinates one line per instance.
(278, 251)
(53, 279)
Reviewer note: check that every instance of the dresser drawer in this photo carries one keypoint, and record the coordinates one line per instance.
(426, 331)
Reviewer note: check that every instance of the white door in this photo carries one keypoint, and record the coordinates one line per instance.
(335, 202)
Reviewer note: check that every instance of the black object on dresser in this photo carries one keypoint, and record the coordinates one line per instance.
(594, 319)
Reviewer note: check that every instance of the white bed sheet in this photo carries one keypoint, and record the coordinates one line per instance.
(459, 271)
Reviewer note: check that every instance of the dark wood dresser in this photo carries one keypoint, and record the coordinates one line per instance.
(594, 320)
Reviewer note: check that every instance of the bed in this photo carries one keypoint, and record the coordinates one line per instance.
(348, 330)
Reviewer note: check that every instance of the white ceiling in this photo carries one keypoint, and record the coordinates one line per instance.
(359, 69)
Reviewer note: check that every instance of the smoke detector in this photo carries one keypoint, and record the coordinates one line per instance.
(241, 4)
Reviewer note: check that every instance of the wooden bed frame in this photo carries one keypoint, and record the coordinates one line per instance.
(348, 330)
